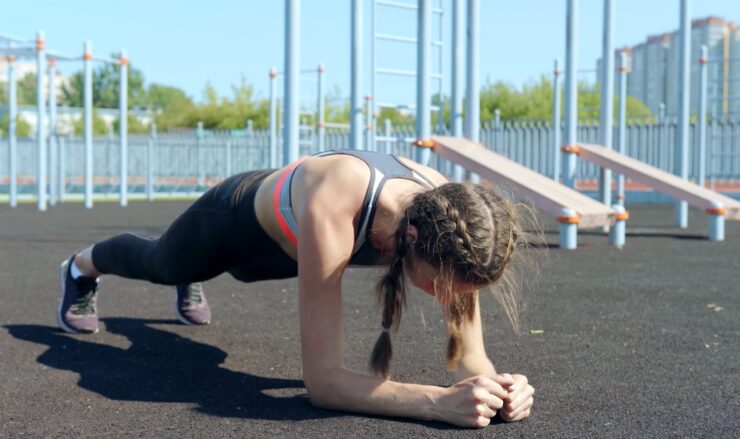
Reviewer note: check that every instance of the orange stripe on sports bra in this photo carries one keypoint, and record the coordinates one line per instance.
(276, 201)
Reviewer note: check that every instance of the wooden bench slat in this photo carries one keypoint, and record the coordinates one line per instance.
(658, 179)
(545, 193)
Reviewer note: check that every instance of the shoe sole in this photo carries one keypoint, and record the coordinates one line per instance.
(62, 275)
(182, 318)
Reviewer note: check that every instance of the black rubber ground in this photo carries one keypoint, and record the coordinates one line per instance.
(639, 342)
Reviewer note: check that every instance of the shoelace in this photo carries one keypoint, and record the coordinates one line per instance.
(85, 301)
(194, 293)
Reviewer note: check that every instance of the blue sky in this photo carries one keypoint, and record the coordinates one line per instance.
(189, 43)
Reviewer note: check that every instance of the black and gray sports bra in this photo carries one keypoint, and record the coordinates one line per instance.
(382, 168)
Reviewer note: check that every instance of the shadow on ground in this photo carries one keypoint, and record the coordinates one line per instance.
(161, 366)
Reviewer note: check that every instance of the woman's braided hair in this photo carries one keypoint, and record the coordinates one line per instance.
(466, 233)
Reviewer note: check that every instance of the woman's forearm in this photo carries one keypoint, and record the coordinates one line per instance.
(472, 365)
(347, 390)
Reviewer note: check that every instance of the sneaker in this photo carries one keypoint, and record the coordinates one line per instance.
(191, 305)
(77, 312)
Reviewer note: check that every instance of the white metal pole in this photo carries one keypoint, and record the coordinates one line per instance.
(355, 105)
(123, 128)
(556, 122)
(12, 145)
(606, 125)
(88, 121)
(423, 100)
(571, 96)
(683, 94)
(291, 135)
(472, 92)
(53, 157)
(458, 60)
(41, 121)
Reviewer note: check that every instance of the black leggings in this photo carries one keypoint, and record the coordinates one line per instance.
(218, 233)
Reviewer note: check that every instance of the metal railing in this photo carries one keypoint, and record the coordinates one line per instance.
(162, 164)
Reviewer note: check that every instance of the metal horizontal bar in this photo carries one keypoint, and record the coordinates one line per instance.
(391, 105)
(410, 73)
(302, 72)
(404, 106)
(17, 51)
(401, 39)
(62, 57)
(106, 59)
(13, 39)
(400, 5)
(725, 98)
(396, 4)
(396, 72)
(719, 60)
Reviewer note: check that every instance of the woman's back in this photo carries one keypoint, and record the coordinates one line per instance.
(341, 181)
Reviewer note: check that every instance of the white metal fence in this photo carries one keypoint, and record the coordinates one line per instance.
(186, 163)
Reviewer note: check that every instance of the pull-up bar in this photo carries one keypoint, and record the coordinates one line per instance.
(50, 58)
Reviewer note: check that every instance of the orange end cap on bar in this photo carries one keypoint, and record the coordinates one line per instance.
(40, 44)
(717, 211)
(273, 73)
(87, 56)
(123, 61)
(575, 149)
(52, 62)
(703, 61)
(623, 216)
(424, 143)
(568, 219)
(9, 58)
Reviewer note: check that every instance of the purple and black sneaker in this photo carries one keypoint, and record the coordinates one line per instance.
(191, 305)
(77, 312)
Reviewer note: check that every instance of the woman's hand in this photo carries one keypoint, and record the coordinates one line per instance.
(519, 400)
(474, 401)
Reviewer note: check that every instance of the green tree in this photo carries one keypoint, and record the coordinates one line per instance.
(336, 106)
(26, 89)
(170, 104)
(535, 100)
(105, 87)
(134, 125)
(444, 101)
(223, 113)
(100, 128)
(589, 105)
(22, 128)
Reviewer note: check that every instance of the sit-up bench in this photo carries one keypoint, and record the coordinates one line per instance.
(718, 206)
(569, 207)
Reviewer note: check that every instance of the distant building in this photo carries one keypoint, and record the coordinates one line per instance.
(654, 68)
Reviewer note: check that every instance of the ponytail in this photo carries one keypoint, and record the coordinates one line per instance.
(391, 292)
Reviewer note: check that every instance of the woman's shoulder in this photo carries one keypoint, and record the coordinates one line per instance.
(432, 174)
(335, 168)
(336, 182)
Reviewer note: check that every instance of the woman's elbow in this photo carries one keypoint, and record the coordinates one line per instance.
(322, 391)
